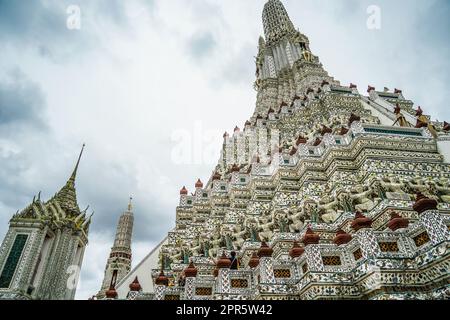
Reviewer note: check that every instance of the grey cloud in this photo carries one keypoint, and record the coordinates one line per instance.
(13, 193)
(240, 68)
(37, 25)
(22, 102)
(42, 25)
(435, 23)
(107, 194)
(22, 130)
(201, 45)
(104, 184)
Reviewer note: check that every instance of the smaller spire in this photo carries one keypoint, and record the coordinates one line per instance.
(235, 168)
(183, 191)
(191, 271)
(262, 42)
(326, 130)
(216, 176)
(317, 142)
(162, 280)
(265, 250)
(342, 237)
(353, 118)
(343, 131)
(397, 222)
(361, 222)
(293, 151)
(296, 251)
(310, 237)
(301, 140)
(135, 285)
(423, 203)
(446, 126)
(254, 261)
(224, 262)
(199, 184)
(419, 112)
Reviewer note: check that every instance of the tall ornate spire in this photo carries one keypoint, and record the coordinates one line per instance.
(285, 66)
(276, 21)
(67, 196)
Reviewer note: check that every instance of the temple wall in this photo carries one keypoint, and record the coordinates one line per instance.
(142, 271)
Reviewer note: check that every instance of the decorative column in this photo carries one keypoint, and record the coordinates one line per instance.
(183, 197)
(266, 264)
(295, 253)
(223, 276)
(161, 284)
(111, 294)
(190, 273)
(431, 219)
(235, 174)
(198, 189)
(313, 255)
(365, 236)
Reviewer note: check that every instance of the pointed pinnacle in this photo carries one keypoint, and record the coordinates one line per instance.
(74, 173)
(130, 205)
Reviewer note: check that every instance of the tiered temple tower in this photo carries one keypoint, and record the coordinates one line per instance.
(119, 261)
(42, 253)
(326, 193)
(285, 65)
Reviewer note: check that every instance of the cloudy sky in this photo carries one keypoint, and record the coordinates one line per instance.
(151, 85)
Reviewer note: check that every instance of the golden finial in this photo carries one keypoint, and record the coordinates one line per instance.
(130, 205)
